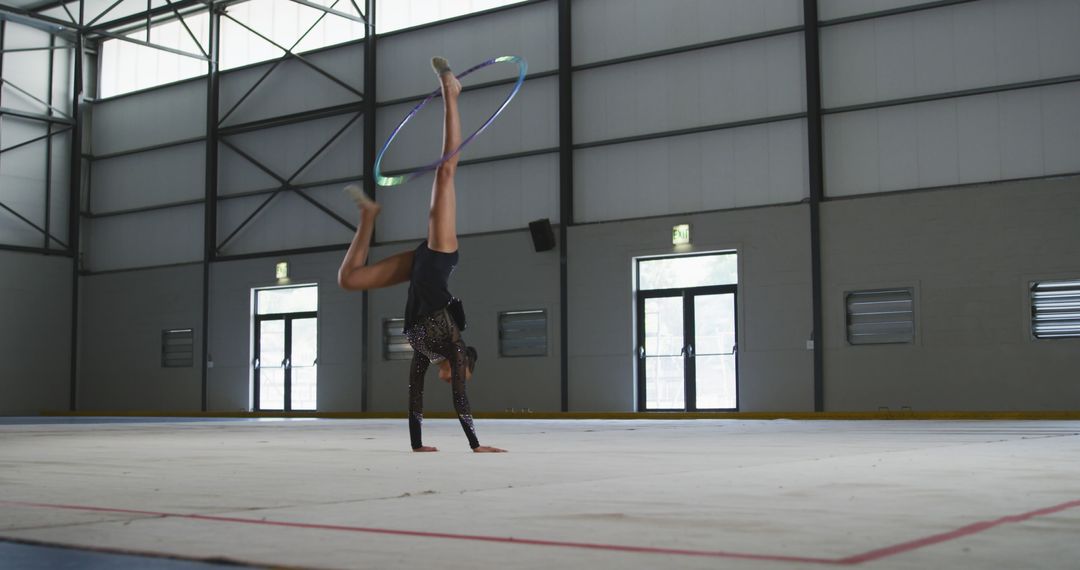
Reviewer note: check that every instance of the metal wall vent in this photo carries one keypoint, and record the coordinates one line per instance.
(523, 333)
(177, 348)
(884, 316)
(1055, 309)
(395, 345)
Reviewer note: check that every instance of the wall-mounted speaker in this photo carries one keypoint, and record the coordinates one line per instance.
(542, 237)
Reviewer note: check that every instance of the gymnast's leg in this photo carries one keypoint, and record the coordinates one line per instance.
(442, 228)
(354, 274)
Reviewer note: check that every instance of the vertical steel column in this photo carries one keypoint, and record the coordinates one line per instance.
(75, 204)
(210, 199)
(48, 141)
(817, 183)
(369, 181)
(3, 29)
(566, 190)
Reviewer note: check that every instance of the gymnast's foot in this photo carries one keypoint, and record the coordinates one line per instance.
(450, 84)
(362, 201)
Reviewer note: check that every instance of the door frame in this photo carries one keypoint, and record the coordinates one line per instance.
(256, 365)
(689, 333)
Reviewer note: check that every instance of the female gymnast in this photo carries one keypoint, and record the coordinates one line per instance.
(433, 317)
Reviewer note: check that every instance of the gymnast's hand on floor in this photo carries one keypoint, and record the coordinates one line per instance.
(425, 448)
(488, 449)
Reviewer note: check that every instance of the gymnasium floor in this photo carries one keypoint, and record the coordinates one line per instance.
(570, 494)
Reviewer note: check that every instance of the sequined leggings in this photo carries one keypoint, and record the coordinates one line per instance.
(434, 338)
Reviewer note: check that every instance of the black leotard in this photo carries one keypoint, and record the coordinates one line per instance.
(434, 336)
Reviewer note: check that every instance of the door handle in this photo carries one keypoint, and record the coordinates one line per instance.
(285, 363)
(641, 352)
(255, 363)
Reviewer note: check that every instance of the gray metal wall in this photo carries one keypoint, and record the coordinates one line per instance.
(684, 111)
(339, 331)
(144, 209)
(773, 304)
(970, 254)
(122, 318)
(35, 336)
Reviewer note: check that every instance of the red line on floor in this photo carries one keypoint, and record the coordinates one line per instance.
(961, 532)
(876, 554)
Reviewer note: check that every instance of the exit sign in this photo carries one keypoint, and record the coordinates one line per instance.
(680, 234)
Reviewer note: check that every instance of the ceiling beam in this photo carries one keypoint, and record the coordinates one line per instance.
(31, 19)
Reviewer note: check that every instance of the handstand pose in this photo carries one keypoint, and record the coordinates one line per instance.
(432, 330)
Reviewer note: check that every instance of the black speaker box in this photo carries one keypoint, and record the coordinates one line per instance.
(542, 236)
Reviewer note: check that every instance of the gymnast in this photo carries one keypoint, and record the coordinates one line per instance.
(433, 317)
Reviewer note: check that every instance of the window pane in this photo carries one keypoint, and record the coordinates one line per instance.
(285, 23)
(287, 300)
(303, 387)
(663, 326)
(272, 389)
(304, 342)
(715, 380)
(398, 14)
(688, 271)
(664, 383)
(127, 67)
(714, 324)
(271, 344)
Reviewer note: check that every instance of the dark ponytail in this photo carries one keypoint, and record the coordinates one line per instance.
(471, 357)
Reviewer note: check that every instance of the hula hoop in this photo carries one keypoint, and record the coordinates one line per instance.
(403, 178)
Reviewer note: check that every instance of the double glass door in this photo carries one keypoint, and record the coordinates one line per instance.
(687, 353)
(285, 361)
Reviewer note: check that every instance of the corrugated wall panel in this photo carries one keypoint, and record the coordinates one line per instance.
(404, 65)
(287, 222)
(747, 166)
(165, 176)
(22, 183)
(293, 87)
(35, 332)
(28, 71)
(718, 85)
(491, 196)
(608, 29)
(978, 44)
(997, 136)
(832, 9)
(169, 114)
(285, 149)
(147, 239)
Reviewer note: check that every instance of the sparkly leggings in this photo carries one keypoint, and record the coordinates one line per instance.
(435, 338)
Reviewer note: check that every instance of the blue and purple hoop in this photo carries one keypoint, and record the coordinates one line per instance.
(403, 178)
